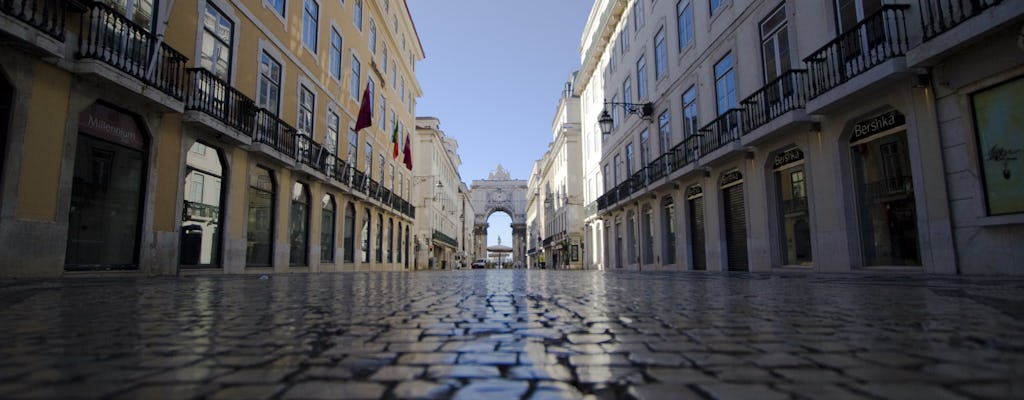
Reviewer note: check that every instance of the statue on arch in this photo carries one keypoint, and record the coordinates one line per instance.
(499, 174)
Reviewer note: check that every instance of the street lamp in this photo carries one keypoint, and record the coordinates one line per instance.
(606, 122)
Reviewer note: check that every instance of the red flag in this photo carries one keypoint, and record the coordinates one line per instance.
(408, 154)
(394, 140)
(365, 111)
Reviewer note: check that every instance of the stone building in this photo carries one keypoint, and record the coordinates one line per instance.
(829, 136)
(204, 136)
(440, 202)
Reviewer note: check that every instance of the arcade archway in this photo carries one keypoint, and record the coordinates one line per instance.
(500, 193)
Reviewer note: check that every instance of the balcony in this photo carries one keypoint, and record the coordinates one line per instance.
(723, 130)
(439, 236)
(947, 25)
(213, 103)
(113, 39)
(785, 94)
(878, 38)
(274, 137)
(28, 17)
(939, 16)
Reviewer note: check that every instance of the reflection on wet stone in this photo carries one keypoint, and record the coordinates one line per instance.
(511, 334)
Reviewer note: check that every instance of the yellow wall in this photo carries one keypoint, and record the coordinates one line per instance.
(165, 215)
(44, 143)
(239, 169)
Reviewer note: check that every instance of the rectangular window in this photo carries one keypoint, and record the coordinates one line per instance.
(641, 78)
(353, 143)
(645, 148)
(331, 139)
(664, 132)
(373, 37)
(368, 159)
(638, 15)
(354, 78)
(604, 179)
(715, 4)
(335, 55)
(615, 113)
(383, 109)
(307, 103)
(660, 54)
(394, 74)
(684, 22)
(310, 14)
(380, 168)
(278, 6)
(629, 160)
(216, 49)
(1000, 130)
(775, 44)
(690, 112)
(627, 91)
(617, 165)
(401, 91)
(357, 14)
(725, 85)
(384, 61)
(623, 41)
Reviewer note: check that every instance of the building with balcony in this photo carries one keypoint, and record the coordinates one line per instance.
(846, 135)
(204, 136)
(440, 199)
(558, 207)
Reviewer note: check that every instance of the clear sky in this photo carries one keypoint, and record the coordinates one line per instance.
(493, 74)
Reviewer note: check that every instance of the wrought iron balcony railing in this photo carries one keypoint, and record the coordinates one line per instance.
(112, 38)
(938, 16)
(310, 153)
(878, 38)
(47, 16)
(275, 133)
(721, 131)
(786, 93)
(209, 94)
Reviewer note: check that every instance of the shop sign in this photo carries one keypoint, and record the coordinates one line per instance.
(694, 191)
(731, 177)
(111, 125)
(870, 127)
(787, 157)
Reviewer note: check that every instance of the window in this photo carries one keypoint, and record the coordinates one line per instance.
(645, 148)
(384, 60)
(715, 4)
(310, 13)
(690, 112)
(394, 74)
(725, 85)
(664, 132)
(357, 14)
(401, 92)
(999, 127)
(335, 54)
(398, 244)
(365, 235)
(368, 159)
(307, 102)
(623, 41)
(353, 143)
(201, 220)
(259, 240)
(270, 84)
(380, 238)
(194, 192)
(371, 89)
(299, 225)
(327, 229)
(775, 44)
(215, 55)
(629, 160)
(604, 179)
(278, 6)
(668, 239)
(390, 257)
(373, 37)
(641, 78)
(647, 235)
(627, 91)
(380, 168)
(660, 54)
(331, 139)
(615, 113)
(349, 241)
(617, 165)
(684, 22)
(638, 15)
(353, 82)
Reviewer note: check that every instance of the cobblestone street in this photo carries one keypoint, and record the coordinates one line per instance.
(487, 334)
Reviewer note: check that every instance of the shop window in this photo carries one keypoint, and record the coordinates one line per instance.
(695, 208)
(887, 212)
(391, 241)
(327, 228)
(365, 235)
(380, 238)
(201, 217)
(999, 123)
(349, 245)
(792, 210)
(668, 216)
(298, 232)
(647, 229)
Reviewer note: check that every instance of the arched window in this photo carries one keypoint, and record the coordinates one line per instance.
(299, 225)
(668, 238)
(349, 244)
(365, 234)
(201, 217)
(327, 229)
(380, 238)
(647, 235)
(391, 240)
(398, 246)
(406, 247)
(259, 239)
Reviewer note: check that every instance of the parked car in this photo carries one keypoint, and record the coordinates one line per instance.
(481, 263)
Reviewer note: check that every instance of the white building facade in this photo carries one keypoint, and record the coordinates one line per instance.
(861, 135)
(439, 198)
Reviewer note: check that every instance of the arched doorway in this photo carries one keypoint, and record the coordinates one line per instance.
(499, 233)
(500, 193)
(201, 217)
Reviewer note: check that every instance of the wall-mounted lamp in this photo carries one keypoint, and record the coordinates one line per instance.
(606, 122)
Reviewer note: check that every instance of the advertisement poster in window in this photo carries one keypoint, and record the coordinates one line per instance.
(999, 122)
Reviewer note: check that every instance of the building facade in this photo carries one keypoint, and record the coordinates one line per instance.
(204, 136)
(554, 181)
(863, 135)
(440, 199)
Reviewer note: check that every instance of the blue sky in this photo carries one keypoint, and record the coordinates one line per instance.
(493, 73)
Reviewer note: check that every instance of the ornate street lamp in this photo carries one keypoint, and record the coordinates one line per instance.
(606, 122)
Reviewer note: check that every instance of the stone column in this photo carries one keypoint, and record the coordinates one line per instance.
(519, 244)
(480, 238)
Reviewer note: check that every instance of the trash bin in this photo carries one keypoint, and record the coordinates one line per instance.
(191, 244)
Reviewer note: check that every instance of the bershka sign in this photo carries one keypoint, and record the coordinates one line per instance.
(870, 127)
(111, 125)
(787, 157)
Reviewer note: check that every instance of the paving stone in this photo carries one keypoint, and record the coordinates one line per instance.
(492, 389)
(600, 374)
(806, 375)
(587, 338)
(188, 374)
(729, 391)
(328, 373)
(421, 390)
(397, 373)
(488, 358)
(463, 371)
(898, 360)
(910, 391)
(679, 375)
(821, 391)
(658, 391)
(598, 359)
(417, 347)
(248, 392)
(164, 391)
(555, 391)
(427, 358)
(993, 390)
(657, 359)
(541, 372)
(256, 376)
(335, 390)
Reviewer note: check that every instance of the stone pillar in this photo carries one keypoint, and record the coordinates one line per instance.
(480, 238)
(519, 244)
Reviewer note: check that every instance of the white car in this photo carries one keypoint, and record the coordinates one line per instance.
(481, 263)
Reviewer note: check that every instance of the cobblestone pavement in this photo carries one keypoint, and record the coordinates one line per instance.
(513, 334)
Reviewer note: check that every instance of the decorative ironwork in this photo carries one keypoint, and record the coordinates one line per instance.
(274, 132)
(786, 93)
(939, 16)
(721, 131)
(46, 15)
(209, 94)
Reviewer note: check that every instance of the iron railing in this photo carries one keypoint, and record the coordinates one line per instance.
(47, 16)
(721, 131)
(275, 133)
(209, 94)
(786, 93)
(373, 188)
(938, 16)
(878, 38)
(114, 39)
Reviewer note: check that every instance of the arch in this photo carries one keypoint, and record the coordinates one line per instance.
(259, 236)
(328, 209)
(202, 219)
(349, 239)
(298, 232)
(500, 193)
(380, 238)
(668, 236)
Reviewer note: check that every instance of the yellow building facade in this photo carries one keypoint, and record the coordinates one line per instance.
(164, 137)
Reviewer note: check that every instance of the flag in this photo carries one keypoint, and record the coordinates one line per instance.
(408, 154)
(365, 111)
(394, 140)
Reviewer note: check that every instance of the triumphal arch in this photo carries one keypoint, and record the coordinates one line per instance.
(500, 193)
